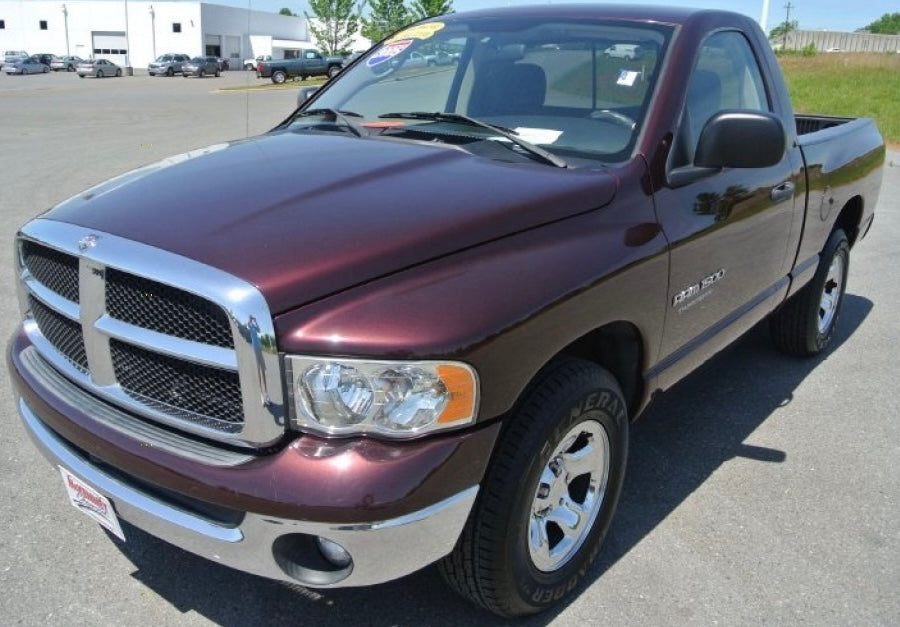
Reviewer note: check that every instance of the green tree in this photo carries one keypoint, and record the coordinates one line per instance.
(385, 17)
(334, 23)
(286, 11)
(782, 29)
(421, 9)
(887, 24)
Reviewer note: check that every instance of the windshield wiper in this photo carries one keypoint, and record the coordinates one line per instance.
(508, 133)
(338, 116)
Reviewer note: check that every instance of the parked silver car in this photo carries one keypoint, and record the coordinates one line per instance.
(100, 68)
(168, 64)
(13, 56)
(65, 63)
(201, 66)
(31, 65)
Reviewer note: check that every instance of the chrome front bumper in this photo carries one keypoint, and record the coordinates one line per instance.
(274, 547)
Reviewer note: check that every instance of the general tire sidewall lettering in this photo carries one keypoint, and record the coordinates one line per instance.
(540, 589)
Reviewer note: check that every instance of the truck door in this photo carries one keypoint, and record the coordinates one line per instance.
(313, 62)
(730, 231)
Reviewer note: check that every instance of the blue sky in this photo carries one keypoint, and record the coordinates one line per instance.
(840, 15)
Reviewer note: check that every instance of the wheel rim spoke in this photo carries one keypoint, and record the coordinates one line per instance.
(581, 462)
(568, 496)
(831, 294)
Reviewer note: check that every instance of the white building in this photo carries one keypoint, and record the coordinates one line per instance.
(134, 32)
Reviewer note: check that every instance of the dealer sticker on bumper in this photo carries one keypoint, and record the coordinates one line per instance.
(86, 499)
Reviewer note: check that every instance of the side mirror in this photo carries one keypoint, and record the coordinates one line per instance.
(741, 139)
(733, 139)
(305, 93)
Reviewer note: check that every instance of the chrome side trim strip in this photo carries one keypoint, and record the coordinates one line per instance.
(466, 496)
(121, 494)
(124, 423)
(255, 355)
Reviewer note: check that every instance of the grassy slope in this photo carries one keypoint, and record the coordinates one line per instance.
(849, 84)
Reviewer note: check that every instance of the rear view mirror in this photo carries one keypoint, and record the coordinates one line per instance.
(506, 52)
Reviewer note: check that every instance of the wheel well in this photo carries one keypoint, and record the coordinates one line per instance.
(850, 218)
(618, 348)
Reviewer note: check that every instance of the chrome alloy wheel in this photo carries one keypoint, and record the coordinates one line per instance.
(831, 293)
(568, 497)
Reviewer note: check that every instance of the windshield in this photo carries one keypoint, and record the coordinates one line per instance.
(579, 90)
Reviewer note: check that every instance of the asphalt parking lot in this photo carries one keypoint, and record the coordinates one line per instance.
(761, 490)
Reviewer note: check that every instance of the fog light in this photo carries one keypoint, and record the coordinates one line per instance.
(333, 552)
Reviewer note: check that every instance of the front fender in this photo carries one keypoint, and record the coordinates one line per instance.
(506, 307)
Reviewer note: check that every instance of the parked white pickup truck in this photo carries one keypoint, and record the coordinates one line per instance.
(250, 64)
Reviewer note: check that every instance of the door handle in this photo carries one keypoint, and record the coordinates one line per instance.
(785, 191)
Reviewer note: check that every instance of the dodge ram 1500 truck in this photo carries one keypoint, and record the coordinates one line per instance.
(419, 333)
(308, 63)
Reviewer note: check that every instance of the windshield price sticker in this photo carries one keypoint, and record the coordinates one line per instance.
(87, 500)
(627, 77)
(388, 51)
(421, 31)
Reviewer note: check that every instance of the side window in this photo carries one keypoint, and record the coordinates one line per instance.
(726, 76)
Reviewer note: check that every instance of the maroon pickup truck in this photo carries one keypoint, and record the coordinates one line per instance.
(419, 331)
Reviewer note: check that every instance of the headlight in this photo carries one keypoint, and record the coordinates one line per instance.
(394, 399)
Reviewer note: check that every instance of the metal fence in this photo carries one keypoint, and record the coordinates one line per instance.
(833, 41)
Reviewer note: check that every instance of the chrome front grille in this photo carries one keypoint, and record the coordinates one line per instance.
(176, 386)
(64, 334)
(162, 336)
(158, 307)
(57, 271)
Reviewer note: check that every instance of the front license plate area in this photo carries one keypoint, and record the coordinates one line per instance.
(90, 502)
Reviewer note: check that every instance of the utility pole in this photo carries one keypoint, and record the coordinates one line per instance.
(764, 18)
(787, 24)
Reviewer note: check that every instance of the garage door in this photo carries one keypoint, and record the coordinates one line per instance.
(109, 45)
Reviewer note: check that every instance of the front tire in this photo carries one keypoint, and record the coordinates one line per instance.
(333, 71)
(118, 73)
(549, 494)
(99, 73)
(805, 325)
(170, 72)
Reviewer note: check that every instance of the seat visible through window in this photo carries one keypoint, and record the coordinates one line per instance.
(504, 88)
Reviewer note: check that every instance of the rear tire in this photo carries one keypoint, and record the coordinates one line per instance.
(218, 73)
(805, 324)
(278, 77)
(549, 494)
(170, 72)
(99, 73)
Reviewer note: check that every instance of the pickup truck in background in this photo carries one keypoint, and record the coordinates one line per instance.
(308, 63)
(428, 346)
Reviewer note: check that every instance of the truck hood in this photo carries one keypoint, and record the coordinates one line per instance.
(302, 216)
